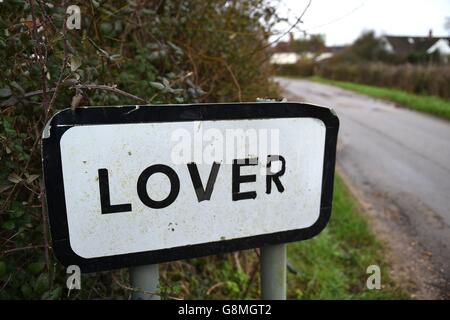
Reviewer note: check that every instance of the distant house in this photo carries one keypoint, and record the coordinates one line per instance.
(284, 58)
(405, 46)
(442, 45)
(282, 53)
(328, 53)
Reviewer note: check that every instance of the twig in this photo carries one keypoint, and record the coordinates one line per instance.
(108, 88)
(61, 71)
(251, 278)
(6, 282)
(237, 262)
(236, 83)
(219, 284)
(40, 56)
(45, 227)
(10, 238)
(23, 248)
(14, 100)
(299, 20)
(182, 78)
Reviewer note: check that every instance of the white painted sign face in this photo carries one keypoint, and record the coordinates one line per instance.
(137, 186)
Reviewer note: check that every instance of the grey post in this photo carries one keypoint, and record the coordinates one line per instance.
(146, 280)
(273, 272)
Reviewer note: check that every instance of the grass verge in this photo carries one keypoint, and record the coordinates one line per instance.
(330, 266)
(424, 103)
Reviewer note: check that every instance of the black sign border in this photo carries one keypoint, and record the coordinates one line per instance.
(68, 118)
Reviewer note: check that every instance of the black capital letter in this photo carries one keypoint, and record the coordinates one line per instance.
(142, 186)
(105, 201)
(203, 193)
(237, 179)
(274, 176)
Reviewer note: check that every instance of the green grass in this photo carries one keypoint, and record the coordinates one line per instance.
(429, 104)
(330, 266)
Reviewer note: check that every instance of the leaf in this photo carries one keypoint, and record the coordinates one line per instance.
(32, 177)
(5, 92)
(41, 284)
(52, 295)
(27, 291)
(166, 82)
(17, 86)
(36, 267)
(106, 27)
(9, 225)
(177, 49)
(14, 178)
(75, 63)
(178, 91)
(157, 85)
(154, 56)
(190, 83)
(200, 91)
(114, 57)
(153, 45)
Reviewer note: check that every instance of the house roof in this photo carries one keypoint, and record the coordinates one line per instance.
(286, 47)
(282, 47)
(405, 45)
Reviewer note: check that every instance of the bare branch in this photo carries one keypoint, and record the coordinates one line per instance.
(235, 81)
(22, 249)
(16, 99)
(40, 55)
(109, 88)
(299, 20)
(61, 71)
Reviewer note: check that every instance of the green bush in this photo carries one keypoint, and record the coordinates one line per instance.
(420, 79)
(157, 51)
(299, 69)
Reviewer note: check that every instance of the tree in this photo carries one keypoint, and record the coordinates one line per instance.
(367, 47)
(313, 43)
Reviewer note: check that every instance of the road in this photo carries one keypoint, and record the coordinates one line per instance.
(398, 162)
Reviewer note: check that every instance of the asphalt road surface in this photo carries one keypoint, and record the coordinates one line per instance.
(398, 160)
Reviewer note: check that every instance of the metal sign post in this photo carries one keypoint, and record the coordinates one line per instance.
(146, 280)
(273, 272)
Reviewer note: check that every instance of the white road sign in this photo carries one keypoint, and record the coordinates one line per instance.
(146, 184)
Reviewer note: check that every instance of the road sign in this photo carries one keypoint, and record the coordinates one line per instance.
(139, 185)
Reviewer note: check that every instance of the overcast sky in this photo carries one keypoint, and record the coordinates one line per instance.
(343, 21)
